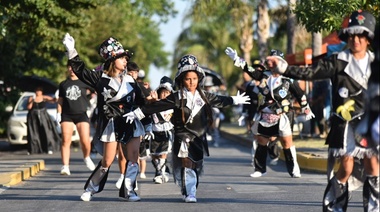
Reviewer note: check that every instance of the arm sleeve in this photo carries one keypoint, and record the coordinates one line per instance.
(86, 75)
(324, 69)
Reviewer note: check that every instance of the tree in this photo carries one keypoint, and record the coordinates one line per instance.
(35, 45)
(29, 33)
(317, 15)
(263, 27)
(291, 26)
(214, 26)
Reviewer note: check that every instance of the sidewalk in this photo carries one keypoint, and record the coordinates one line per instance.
(13, 172)
(311, 155)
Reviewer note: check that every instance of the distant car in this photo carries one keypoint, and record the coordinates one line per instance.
(17, 128)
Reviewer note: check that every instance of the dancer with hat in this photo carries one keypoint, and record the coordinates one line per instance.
(191, 117)
(118, 94)
(349, 71)
(273, 119)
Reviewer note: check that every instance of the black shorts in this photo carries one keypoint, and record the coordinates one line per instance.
(75, 118)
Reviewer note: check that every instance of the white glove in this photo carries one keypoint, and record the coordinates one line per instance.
(149, 135)
(241, 120)
(231, 53)
(58, 118)
(69, 43)
(307, 111)
(130, 117)
(241, 99)
(238, 62)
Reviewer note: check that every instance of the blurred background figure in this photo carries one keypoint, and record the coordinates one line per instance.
(213, 133)
(42, 134)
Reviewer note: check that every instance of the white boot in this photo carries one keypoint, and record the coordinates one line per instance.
(190, 185)
(128, 193)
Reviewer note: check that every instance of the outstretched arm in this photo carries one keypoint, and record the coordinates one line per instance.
(240, 62)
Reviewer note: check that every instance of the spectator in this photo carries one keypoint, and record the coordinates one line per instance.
(42, 134)
(72, 110)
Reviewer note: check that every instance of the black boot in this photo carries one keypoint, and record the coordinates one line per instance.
(291, 162)
(260, 161)
(371, 193)
(335, 197)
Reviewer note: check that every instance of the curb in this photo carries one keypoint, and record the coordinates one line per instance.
(16, 171)
(306, 160)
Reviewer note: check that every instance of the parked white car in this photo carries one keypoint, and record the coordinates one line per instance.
(17, 128)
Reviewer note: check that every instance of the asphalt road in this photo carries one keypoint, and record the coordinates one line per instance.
(224, 186)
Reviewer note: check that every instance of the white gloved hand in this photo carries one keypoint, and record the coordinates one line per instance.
(241, 120)
(130, 117)
(307, 111)
(149, 135)
(231, 53)
(58, 118)
(69, 43)
(241, 98)
(238, 62)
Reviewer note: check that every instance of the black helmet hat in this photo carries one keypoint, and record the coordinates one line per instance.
(257, 64)
(188, 63)
(360, 22)
(275, 52)
(111, 49)
(165, 83)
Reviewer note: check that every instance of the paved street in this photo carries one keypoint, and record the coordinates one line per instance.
(225, 186)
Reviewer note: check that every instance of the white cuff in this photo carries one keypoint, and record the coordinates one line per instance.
(240, 62)
(139, 114)
(71, 53)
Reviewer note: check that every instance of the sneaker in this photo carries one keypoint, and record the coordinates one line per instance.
(132, 197)
(158, 180)
(297, 175)
(166, 178)
(190, 199)
(90, 165)
(65, 170)
(119, 182)
(50, 152)
(142, 175)
(86, 196)
(257, 174)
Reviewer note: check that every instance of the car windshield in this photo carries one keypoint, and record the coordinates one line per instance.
(22, 106)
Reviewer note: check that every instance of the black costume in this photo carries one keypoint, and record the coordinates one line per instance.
(42, 134)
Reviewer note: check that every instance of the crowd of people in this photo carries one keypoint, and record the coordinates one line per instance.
(134, 122)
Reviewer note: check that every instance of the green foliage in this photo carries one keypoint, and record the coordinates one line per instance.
(214, 26)
(319, 15)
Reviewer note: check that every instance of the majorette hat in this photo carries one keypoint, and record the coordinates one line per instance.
(188, 63)
(111, 49)
(360, 22)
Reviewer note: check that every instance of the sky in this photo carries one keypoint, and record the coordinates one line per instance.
(169, 34)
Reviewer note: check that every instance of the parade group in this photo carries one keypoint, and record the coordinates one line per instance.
(176, 117)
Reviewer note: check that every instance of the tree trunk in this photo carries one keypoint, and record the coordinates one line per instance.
(263, 26)
(291, 26)
(246, 40)
(317, 44)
